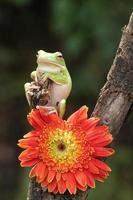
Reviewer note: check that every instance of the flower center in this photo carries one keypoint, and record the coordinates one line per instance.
(61, 147)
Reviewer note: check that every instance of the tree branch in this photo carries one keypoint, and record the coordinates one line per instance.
(116, 96)
(113, 105)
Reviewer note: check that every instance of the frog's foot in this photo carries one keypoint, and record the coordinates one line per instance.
(50, 109)
(62, 108)
(29, 90)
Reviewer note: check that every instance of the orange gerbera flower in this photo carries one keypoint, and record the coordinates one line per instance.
(65, 154)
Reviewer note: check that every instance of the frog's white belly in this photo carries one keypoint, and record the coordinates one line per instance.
(59, 92)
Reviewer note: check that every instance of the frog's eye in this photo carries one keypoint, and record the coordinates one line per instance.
(59, 55)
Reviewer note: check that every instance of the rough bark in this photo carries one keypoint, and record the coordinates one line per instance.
(116, 97)
(113, 105)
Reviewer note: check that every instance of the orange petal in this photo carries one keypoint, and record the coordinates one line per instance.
(78, 116)
(28, 163)
(101, 142)
(24, 155)
(92, 168)
(70, 183)
(32, 172)
(97, 138)
(26, 143)
(94, 136)
(32, 134)
(90, 179)
(81, 178)
(44, 183)
(99, 178)
(35, 119)
(97, 131)
(61, 186)
(102, 176)
(55, 191)
(81, 187)
(101, 165)
(41, 172)
(103, 152)
(51, 175)
(49, 117)
(52, 186)
(90, 123)
(104, 173)
(58, 176)
(28, 154)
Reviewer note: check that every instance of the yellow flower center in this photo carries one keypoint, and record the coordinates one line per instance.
(63, 146)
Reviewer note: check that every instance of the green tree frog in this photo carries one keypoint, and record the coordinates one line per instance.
(51, 66)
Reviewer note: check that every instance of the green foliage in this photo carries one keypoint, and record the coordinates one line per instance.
(20, 2)
(89, 32)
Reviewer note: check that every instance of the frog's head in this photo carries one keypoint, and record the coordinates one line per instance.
(51, 59)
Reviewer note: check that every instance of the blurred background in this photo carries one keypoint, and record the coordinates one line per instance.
(87, 33)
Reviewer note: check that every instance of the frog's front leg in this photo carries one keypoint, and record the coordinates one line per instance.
(29, 91)
(33, 75)
(62, 107)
